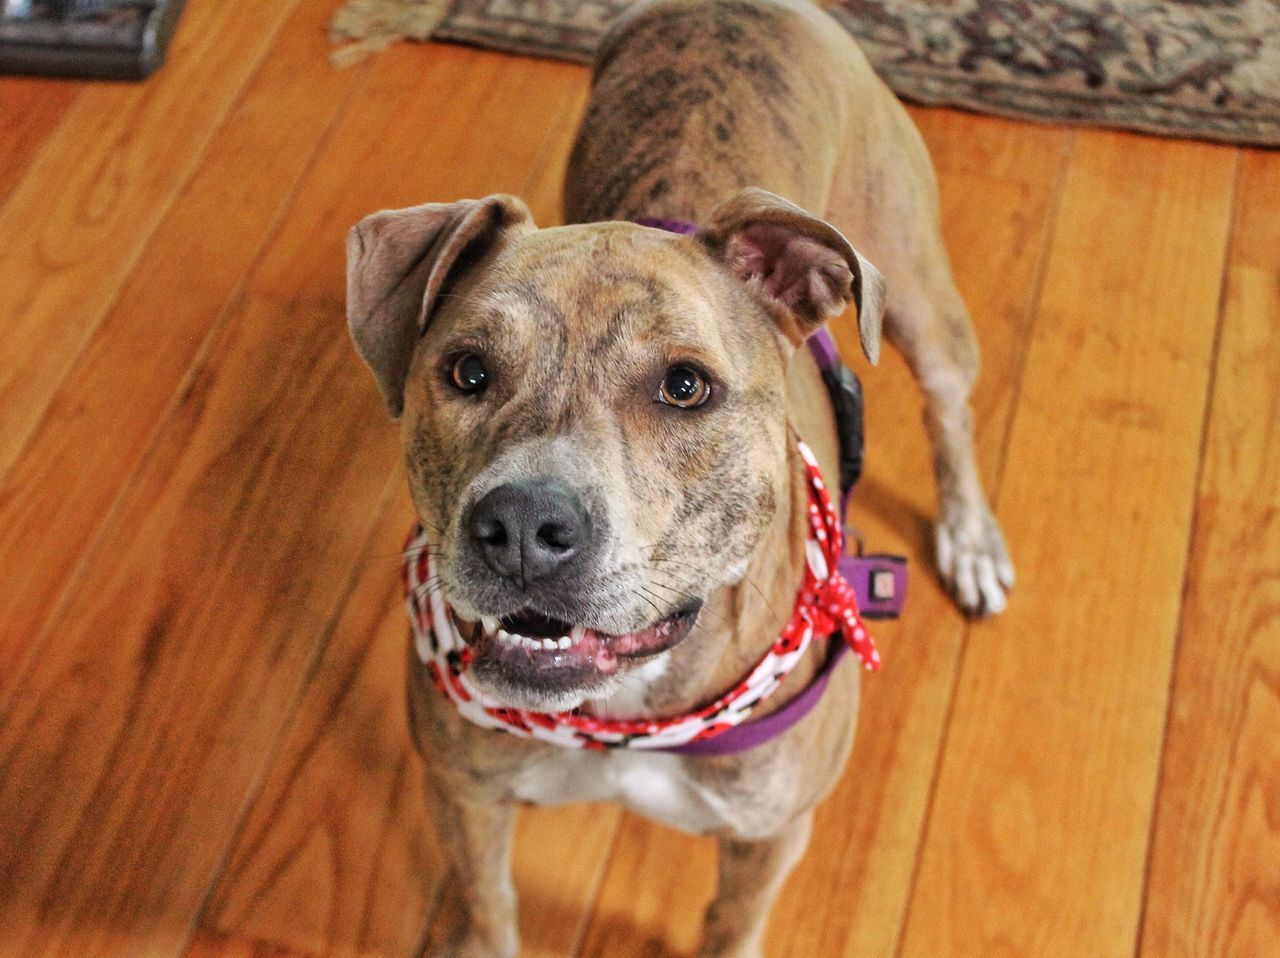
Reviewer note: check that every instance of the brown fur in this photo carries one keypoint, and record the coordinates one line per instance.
(695, 105)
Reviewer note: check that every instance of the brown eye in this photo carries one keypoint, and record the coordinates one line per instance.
(684, 387)
(469, 375)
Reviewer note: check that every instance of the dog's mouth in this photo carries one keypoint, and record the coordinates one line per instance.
(548, 654)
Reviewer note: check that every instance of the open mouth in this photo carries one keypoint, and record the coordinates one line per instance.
(529, 641)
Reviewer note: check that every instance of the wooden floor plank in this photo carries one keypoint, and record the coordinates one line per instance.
(337, 855)
(320, 867)
(1037, 834)
(172, 305)
(559, 885)
(32, 108)
(654, 894)
(128, 750)
(1214, 886)
(998, 183)
(558, 865)
(86, 205)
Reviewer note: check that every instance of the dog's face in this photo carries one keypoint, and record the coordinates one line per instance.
(593, 419)
(594, 425)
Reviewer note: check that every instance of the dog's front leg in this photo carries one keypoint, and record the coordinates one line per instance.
(476, 835)
(751, 874)
(930, 324)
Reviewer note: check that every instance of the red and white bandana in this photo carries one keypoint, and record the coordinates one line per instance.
(825, 605)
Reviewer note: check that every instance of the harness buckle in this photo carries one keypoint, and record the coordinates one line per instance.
(879, 581)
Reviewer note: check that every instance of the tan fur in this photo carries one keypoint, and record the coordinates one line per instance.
(697, 105)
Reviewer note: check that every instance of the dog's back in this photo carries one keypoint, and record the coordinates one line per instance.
(693, 99)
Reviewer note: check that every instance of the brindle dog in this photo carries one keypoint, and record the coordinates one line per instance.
(599, 424)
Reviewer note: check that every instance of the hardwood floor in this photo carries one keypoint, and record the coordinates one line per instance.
(203, 749)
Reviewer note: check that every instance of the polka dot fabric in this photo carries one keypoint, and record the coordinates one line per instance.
(825, 606)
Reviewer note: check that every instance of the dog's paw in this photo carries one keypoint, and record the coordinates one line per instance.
(973, 560)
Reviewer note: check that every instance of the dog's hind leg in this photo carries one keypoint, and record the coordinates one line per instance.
(480, 899)
(750, 875)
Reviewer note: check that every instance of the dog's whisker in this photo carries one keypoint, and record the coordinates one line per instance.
(409, 555)
(760, 592)
(656, 609)
(684, 594)
(653, 599)
(425, 586)
(429, 525)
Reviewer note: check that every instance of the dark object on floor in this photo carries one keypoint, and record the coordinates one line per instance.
(103, 39)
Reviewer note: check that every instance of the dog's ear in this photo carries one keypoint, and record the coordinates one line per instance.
(803, 269)
(397, 262)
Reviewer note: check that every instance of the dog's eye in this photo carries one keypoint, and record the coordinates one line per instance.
(684, 387)
(469, 374)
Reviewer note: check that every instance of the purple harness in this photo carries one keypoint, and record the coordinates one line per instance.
(879, 581)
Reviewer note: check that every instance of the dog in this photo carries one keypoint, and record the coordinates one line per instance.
(615, 442)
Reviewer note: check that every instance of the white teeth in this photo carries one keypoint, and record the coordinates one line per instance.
(536, 644)
(489, 623)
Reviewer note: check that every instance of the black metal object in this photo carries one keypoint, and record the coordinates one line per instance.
(103, 39)
(845, 390)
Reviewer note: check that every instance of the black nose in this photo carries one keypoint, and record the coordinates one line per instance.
(528, 531)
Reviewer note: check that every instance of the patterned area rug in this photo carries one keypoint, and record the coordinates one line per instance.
(1196, 68)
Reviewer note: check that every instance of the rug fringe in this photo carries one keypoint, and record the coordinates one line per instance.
(373, 25)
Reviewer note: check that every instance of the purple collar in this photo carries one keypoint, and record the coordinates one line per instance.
(683, 227)
(879, 581)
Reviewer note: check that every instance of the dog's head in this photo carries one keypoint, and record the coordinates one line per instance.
(593, 417)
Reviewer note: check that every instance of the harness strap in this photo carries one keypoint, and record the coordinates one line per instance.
(879, 582)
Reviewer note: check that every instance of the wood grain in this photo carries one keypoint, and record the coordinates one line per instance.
(651, 902)
(1036, 838)
(31, 109)
(557, 865)
(60, 489)
(1214, 884)
(320, 866)
(85, 207)
(337, 856)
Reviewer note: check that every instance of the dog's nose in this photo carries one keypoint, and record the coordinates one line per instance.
(527, 531)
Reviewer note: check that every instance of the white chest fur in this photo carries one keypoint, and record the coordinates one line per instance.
(650, 784)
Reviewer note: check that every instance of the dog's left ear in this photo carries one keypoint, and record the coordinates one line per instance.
(803, 269)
